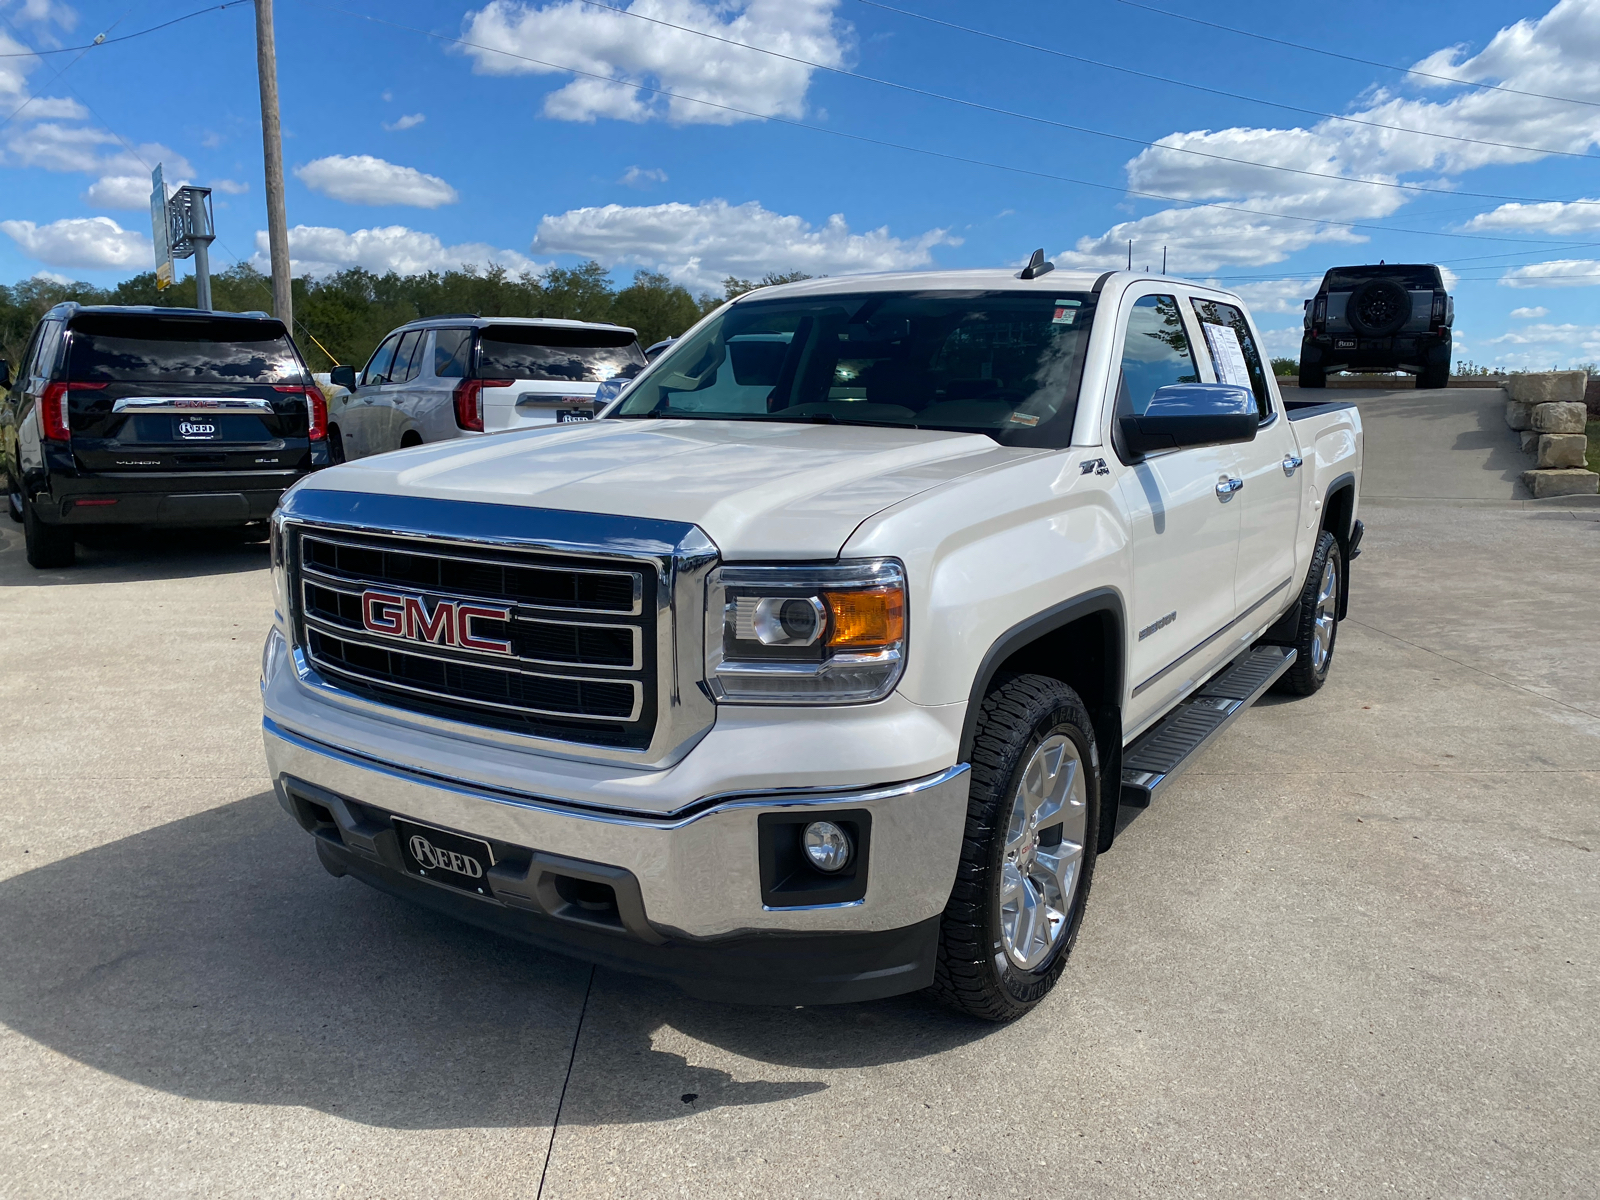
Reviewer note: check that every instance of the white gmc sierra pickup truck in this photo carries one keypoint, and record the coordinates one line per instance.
(816, 668)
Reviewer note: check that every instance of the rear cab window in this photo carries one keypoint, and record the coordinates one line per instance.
(555, 353)
(1234, 355)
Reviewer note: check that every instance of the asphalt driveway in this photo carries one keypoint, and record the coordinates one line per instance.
(1352, 952)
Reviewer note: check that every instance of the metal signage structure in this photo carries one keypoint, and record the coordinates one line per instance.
(190, 234)
(159, 229)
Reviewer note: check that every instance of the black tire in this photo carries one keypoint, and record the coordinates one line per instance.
(256, 531)
(13, 499)
(1436, 375)
(410, 438)
(49, 547)
(1308, 674)
(335, 445)
(1313, 377)
(974, 973)
(1378, 308)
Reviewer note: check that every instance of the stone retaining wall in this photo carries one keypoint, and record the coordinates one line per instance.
(1549, 412)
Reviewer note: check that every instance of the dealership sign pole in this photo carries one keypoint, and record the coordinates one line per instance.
(191, 233)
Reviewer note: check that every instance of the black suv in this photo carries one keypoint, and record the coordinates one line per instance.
(1382, 318)
(154, 416)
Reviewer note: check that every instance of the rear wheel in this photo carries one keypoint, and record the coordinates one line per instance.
(1318, 626)
(1436, 375)
(1028, 853)
(48, 546)
(335, 445)
(410, 438)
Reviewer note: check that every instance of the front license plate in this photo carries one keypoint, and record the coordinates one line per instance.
(195, 429)
(563, 415)
(445, 857)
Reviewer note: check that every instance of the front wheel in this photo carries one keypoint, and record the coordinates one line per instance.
(48, 546)
(1033, 817)
(1318, 627)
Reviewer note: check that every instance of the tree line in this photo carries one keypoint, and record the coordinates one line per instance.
(341, 318)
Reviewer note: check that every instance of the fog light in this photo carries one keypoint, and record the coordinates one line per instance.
(827, 846)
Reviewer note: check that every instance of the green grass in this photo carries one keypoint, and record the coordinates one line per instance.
(1593, 430)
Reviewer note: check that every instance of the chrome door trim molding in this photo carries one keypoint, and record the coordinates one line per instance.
(1190, 653)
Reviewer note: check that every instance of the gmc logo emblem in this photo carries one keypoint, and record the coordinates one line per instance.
(448, 624)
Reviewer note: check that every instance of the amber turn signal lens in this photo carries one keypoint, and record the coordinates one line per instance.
(867, 620)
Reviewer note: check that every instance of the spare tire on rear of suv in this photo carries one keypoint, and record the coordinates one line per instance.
(1378, 307)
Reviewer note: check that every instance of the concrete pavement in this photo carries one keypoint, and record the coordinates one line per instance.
(1351, 952)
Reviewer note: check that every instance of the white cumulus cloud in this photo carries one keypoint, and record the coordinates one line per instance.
(231, 187)
(1557, 54)
(699, 245)
(628, 53)
(87, 242)
(320, 250)
(363, 179)
(410, 121)
(131, 192)
(1528, 314)
(1559, 272)
(642, 177)
(1571, 217)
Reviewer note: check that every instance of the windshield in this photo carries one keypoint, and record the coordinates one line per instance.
(1002, 363)
(114, 347)
(555, 352)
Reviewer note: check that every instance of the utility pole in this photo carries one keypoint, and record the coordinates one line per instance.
(272, 153)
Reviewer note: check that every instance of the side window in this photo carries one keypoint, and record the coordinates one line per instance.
(24, 367)
(378, 366)
(450, 350)
(403, 369)
(1155, 353)
(49, 343)
(1233, 350)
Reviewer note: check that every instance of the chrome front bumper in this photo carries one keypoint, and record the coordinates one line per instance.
(697, 871)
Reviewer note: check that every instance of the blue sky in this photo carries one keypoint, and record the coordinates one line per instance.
(411, 152)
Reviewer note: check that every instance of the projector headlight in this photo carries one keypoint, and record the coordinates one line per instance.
(831, 633)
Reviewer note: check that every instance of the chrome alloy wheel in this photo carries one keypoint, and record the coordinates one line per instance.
(1043, 852)
(1326, 617)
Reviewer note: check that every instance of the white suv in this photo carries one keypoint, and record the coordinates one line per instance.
(443, 377)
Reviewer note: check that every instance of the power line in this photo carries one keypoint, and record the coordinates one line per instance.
(1309, 112)
(103, 40)
(1118, 137)
(1366, 62)
(939, 154)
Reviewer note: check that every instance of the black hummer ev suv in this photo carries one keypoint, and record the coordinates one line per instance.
(1383, 318)
(154, 416)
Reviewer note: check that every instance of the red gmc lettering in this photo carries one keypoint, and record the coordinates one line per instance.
(439, 628)
(468, 640)
(380, 612)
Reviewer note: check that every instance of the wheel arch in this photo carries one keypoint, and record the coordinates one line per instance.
(1081, 642)
(1338, 518)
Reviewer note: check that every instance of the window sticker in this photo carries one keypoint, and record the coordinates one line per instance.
(1227, 354)
(1066, 312)
(1024, 419)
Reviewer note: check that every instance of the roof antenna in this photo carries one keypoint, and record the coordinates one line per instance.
(1036, 266)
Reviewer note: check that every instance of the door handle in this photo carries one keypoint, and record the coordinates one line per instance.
(1226, 487)
(1292, 463)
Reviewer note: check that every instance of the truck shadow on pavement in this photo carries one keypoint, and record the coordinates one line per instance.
(212, 958)
(134, 555)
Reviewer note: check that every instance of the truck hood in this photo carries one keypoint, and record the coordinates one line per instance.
(758, 489)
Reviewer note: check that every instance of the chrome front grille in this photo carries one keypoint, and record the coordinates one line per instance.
(525, 641)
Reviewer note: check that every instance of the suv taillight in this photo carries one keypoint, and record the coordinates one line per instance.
(53, 422)
(316, 408)
(469, 401)
(1319, 315)
(1438, 310)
